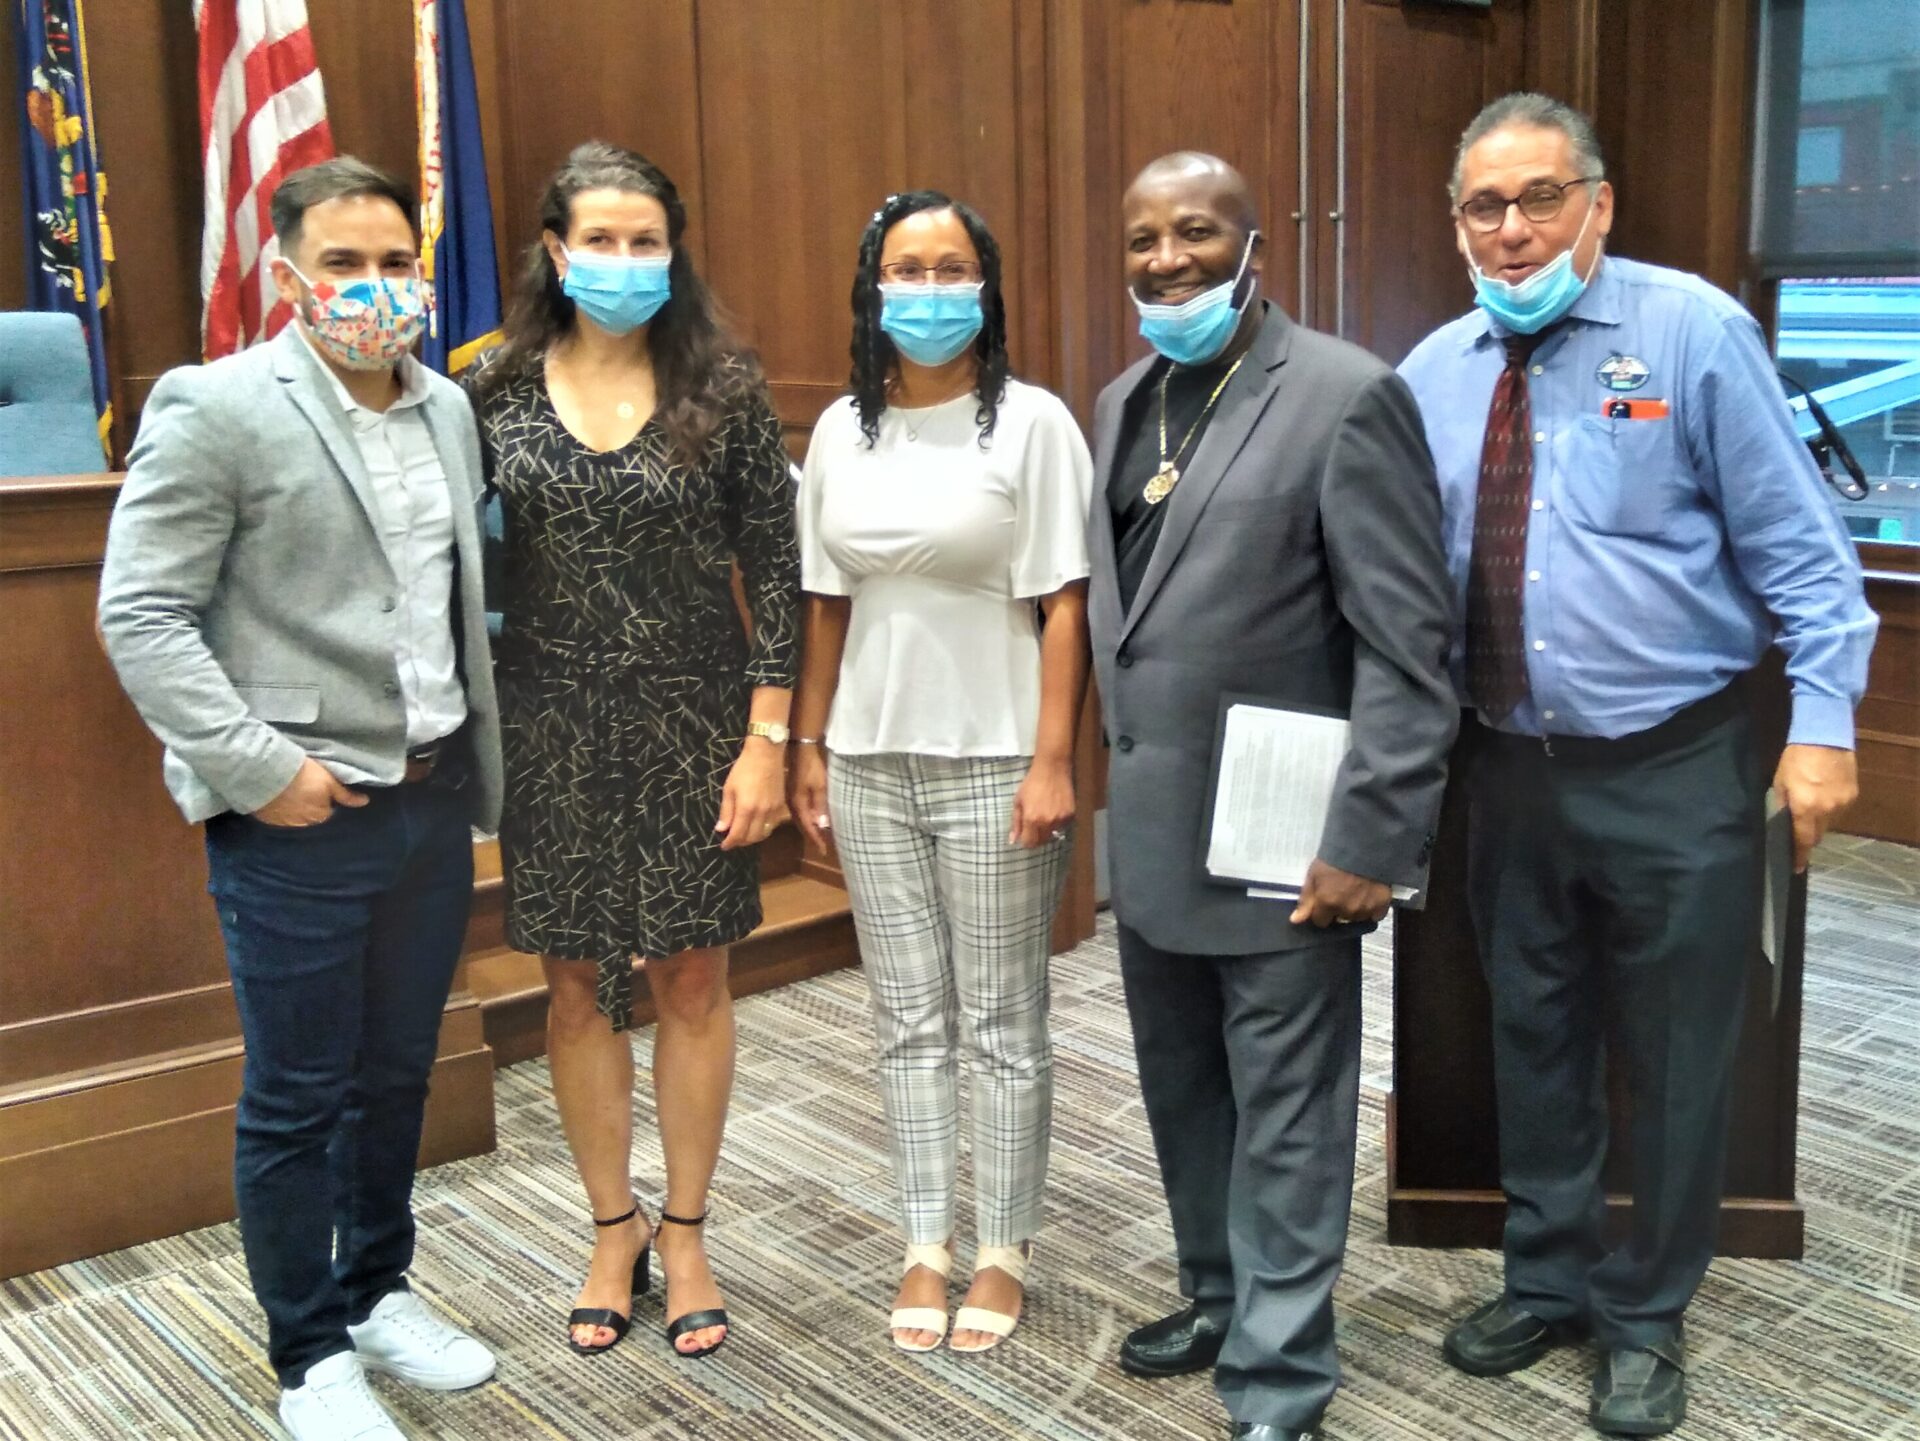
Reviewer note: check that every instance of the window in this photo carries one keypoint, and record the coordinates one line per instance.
(1838, 188)
(1821, 147)
(1837, 224)
(1855, 343)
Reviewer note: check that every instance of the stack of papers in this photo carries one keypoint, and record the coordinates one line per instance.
(1273, 785)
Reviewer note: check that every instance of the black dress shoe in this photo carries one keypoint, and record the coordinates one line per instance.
(1499, 1338)
(1641, 1392)
(1261, 1431)
(1172, 1346)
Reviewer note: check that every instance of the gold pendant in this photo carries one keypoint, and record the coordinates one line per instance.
(1162, 484)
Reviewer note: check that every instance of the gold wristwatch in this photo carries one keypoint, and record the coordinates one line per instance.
(772, 730)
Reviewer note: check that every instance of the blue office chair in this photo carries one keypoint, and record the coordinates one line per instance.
(47, 420)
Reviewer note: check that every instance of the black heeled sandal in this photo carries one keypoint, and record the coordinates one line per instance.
(606, 1316)
(695, 1320)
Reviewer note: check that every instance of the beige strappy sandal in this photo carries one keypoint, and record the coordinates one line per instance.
(1013, 1261)
(937, 1259)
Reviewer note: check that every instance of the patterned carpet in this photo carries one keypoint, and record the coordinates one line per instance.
(163, 1341)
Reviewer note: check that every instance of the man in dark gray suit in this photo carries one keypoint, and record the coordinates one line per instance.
(291, 597)
(1266, 522)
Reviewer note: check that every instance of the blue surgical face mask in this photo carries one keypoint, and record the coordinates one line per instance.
(1542, 298)
(618, 293)
(931, 324)
(1196, 331)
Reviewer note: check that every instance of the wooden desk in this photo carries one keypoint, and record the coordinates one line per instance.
(1443, 1164)
(119, 1045)
(1889, 717)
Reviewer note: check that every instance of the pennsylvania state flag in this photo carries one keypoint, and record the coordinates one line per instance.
(64, 190)
(456, 212)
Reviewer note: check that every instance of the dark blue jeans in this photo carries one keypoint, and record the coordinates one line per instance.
(342, 939)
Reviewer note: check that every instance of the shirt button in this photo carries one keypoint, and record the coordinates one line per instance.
(1546, 715)
(1539, 370)
(1533, 575)
(388, 604)
(1125, 743)
(390, 689)
(1539, 505)
(1539, 435)
(1539, 645)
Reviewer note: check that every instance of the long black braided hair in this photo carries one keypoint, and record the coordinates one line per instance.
(876, 362)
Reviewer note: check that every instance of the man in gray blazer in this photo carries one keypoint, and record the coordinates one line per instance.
(1266, 522)
(291, 596)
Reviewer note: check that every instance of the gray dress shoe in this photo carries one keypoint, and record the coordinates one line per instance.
(1262, 1431)
(1641, 1392)
(1499, 1338)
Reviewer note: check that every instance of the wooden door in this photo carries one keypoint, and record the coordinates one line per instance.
(1400, 84)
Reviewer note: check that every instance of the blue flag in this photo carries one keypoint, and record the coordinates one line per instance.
(64, 190)
(456, 211)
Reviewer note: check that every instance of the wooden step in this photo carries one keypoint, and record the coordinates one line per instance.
(142, 1147)
(807, 930)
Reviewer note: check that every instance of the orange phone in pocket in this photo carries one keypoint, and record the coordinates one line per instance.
(1634, 409)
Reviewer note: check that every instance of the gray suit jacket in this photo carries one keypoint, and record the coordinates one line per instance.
(246, 600)
(1301, 561)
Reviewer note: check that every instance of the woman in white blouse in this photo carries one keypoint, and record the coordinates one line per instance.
(943, 555)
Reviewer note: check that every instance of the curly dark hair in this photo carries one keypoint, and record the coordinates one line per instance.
(699, 365)
(876, 362)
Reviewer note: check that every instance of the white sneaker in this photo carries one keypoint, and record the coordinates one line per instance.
(404, 1339)
(336, 1404)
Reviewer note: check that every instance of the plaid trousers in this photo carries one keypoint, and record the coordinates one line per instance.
(954, 927)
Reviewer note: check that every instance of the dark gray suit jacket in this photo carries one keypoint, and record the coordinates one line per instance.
(1301, 561)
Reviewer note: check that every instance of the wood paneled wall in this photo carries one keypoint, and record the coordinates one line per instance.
(786, 123)
(785, 127)
(1415, 77)
(1673, 101)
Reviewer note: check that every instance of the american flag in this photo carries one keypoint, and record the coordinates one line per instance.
(263, 115)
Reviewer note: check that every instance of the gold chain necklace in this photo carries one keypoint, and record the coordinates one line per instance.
(1161, 485)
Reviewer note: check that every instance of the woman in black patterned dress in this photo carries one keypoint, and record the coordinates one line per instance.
(636, 456)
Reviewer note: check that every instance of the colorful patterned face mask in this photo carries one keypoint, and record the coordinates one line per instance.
(366, 324)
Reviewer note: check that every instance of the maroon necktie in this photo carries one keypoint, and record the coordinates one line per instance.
(1496, 575)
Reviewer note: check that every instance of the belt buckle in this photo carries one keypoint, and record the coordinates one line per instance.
(420, 763)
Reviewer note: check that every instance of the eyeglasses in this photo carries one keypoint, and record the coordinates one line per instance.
(947, 272)
(1539, 202)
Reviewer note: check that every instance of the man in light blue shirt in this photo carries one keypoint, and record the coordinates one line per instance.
(1630, 522)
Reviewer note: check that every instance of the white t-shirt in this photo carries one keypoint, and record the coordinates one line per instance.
(943, 545)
